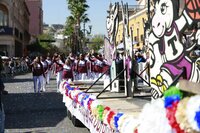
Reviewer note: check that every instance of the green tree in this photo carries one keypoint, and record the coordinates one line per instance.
(47, 47)
(69, 26)
(45, 44)
(96, 43)
(41, 47)
(78, 10)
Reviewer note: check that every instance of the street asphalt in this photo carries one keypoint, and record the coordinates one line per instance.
(28, 112)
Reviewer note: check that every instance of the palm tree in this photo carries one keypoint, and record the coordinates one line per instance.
(78, 10)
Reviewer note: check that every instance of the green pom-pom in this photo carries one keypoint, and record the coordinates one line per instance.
(173, 90)
(100, 109)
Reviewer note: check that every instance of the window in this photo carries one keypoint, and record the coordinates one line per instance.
(21, 36)
(16, 32)
(135, 38)
(138, 34)
(141, 37)
(3, 16)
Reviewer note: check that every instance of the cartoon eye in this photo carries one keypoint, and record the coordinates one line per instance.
(163, 8)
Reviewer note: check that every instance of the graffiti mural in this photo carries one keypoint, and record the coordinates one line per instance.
(112, 23)
(169, 54)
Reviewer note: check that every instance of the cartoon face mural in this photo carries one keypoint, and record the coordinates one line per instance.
(159, 23)
(112, 22)
(169, 54)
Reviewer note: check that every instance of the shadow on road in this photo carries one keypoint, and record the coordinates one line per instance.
(33, 110)
(17, 80)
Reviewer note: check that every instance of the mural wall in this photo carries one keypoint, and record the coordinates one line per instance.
(172, 41)
(112, 23)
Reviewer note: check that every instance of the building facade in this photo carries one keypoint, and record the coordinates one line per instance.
(14, 26)
(137, 18)
(136, 23)
(36, 17)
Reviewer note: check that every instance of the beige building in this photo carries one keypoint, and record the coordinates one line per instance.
(136, 23)
(36, 17)
(14, 26)
(137, 18)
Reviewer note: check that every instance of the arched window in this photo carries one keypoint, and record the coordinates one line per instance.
(3, 15)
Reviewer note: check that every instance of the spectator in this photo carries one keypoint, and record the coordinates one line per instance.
(12, 66)
(2, 87)
(140, 57)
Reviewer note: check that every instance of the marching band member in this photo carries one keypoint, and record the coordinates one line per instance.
(82, 68)
(67, 71)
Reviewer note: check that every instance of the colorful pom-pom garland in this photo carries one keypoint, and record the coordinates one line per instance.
(181, 114)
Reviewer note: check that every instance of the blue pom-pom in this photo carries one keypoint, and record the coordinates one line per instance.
(83, 99)
(197, 118)
(90, 99)
(80, 94)
(116, 119)
(69, 88)
(170, 99)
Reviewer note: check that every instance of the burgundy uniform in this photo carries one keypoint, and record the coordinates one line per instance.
(67, 72)
(82, 66)
(105, 66)
(59, 66)
(98, 66)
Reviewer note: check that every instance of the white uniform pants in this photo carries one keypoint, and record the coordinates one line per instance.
(48, 76)
(58, 79)
(37, 82)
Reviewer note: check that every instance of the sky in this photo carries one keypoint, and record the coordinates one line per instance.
(56, 12)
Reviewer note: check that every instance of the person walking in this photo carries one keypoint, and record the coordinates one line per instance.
(82, 68)
(98, 66)
(38, 73)
(58, 65)
(106, 66)
(67, 71)
(49, 72)
(45, 68)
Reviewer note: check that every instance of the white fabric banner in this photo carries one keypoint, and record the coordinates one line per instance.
(85, 116)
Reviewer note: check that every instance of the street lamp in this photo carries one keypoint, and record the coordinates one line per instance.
(77, 38)
(86, 31)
